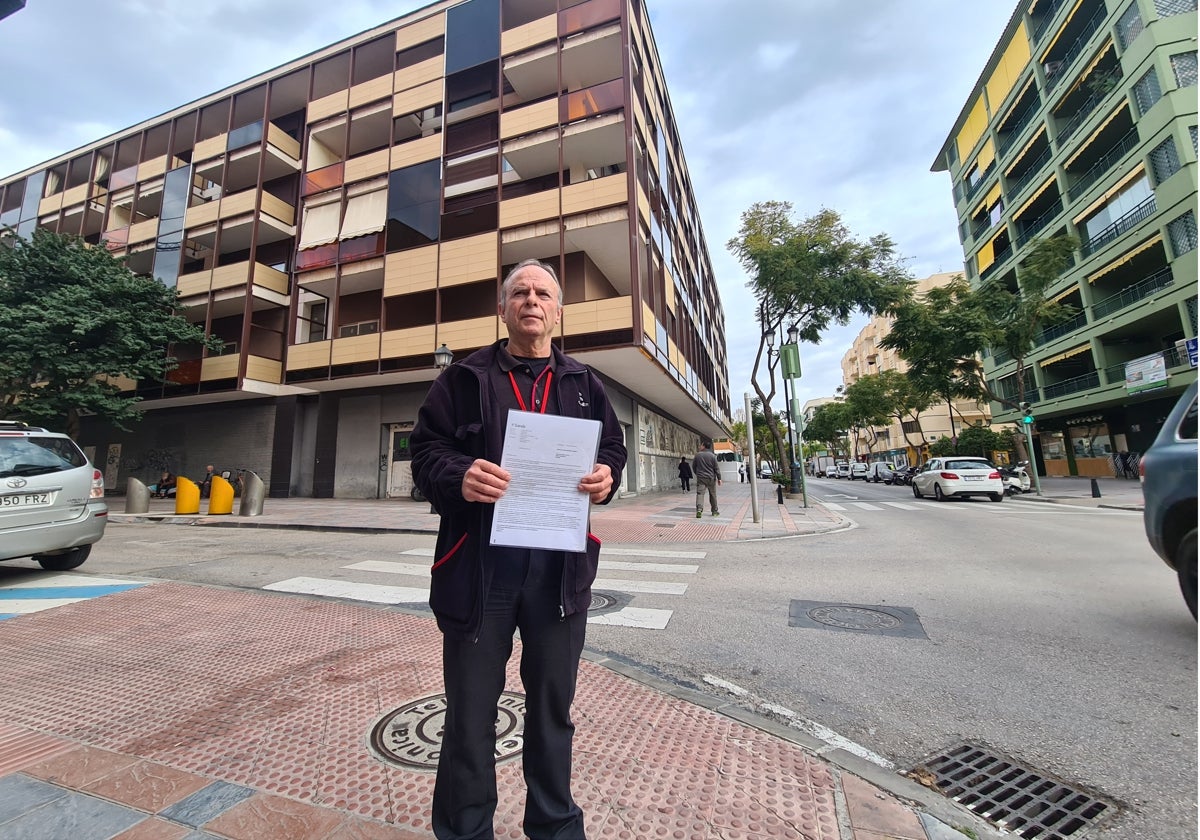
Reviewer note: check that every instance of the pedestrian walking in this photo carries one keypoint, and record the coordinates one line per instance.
(708, 477)
(685, 474)
(742, 473)
(482, 594)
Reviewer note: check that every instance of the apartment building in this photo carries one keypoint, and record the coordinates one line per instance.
(906, 442)
(1083, 122)
(338, 219)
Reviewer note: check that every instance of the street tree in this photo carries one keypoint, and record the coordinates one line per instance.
(829, 424)
(868, 404)
(906, 400)
(810, 274)
(943, 333)
(72, 319)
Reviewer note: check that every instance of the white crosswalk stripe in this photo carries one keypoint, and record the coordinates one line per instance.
(627, 615)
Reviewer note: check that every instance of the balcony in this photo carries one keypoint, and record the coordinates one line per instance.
(1122, 225)
(233, 159)
(1068, 56)
(1085, 110)
(1161, 279)
(1047, 18)
(1072, 386)
(1103, 164)
(1035, 167)
(1059, 330)
(1028, 230)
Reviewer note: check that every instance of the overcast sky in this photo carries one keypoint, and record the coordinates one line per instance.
(821, 103)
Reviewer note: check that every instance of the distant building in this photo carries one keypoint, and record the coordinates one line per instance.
(336, 220)
(1083, 121)
(906, 442)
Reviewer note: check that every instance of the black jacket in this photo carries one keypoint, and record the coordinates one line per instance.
(459, 423)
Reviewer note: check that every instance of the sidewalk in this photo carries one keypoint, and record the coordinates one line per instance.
(174, 711)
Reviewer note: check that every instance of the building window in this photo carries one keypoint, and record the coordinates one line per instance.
(1129, 26)
(1146, 92)
(1164, 160)
(1170, 8)
(1192, 131)
(1184, 65)
(472, 34)
(414, 205)
(911, 427)
(1182, 232)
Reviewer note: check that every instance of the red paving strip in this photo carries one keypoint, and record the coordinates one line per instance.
(277, 693)
(19, 748)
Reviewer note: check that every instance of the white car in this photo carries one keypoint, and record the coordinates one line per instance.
(958, 476)
(881, 471)
(858, 470)
(843, 470)
(831, 471)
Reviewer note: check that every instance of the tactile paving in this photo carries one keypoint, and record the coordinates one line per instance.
(278, 693)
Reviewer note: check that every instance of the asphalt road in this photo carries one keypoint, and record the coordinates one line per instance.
(1051, 634)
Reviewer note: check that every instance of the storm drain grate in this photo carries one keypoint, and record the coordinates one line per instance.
(1011, 795)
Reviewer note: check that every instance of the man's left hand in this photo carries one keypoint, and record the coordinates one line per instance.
(597, 483)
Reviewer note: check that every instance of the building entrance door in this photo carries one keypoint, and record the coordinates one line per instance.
(398, 461)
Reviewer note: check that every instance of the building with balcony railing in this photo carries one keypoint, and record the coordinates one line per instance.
(1083, 122)
(336, 220)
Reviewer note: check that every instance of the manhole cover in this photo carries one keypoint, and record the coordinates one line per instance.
(411, 736)
(857, 618)
(601, 601)
(1010, 794)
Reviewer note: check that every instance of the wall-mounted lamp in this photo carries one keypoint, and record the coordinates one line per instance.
(442, 357)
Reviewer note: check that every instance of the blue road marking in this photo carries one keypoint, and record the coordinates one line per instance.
(78, 592)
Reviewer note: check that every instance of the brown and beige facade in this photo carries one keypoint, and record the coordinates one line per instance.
(337, 219)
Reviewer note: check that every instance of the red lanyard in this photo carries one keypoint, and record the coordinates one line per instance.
(545, 391)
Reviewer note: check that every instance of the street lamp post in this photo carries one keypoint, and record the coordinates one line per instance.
(795, 476)
(442, 357)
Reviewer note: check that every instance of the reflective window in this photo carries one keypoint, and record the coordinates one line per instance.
(414, 205)
(419, 53)
(472, 34)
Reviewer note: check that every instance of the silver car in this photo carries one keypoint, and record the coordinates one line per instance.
(51, 499)
(958, 476)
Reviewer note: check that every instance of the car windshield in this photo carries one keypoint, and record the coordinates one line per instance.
(968, 465)
(27, 456)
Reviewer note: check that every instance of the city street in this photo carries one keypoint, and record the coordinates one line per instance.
(1048, 633)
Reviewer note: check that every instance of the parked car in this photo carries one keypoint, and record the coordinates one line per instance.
(843, 470)
(831, 471)
(1168, 475)
(858, 470)
(883, 471)
(51, 499)
(958, 477)
(765, 471)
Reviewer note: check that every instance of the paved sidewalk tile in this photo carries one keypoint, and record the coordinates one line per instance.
(267, 817)
(872, 811)
(147, 786)
(207, 803)
(70, 816)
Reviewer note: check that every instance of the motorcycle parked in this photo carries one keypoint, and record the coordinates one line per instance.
(1016, 478)
(905, 475)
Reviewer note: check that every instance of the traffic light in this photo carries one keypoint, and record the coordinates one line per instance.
(1027, 412)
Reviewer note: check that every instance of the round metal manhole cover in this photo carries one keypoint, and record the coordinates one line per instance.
(601, 601)
(854, 618)
(411, 736)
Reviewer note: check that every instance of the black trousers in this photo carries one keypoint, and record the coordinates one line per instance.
(464, 795)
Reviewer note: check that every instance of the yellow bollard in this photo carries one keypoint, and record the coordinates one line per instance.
(187, 496)
(220, 496)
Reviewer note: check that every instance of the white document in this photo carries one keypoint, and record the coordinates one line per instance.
(546, 456)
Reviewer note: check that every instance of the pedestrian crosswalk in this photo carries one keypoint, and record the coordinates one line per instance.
(41, 593)
(644, 574)
(981, 506)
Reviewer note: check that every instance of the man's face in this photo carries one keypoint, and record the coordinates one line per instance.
(531, 310)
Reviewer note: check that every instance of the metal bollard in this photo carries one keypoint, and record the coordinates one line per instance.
(220, 496)
(779, 493)
(253, 493)
(137, 497)
(1095, 489)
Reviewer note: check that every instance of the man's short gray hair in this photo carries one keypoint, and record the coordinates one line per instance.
(523, 264)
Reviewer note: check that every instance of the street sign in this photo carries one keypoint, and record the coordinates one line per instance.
(789, 357)
(1191, 351)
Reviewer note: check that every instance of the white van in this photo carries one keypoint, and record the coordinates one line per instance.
(843, 469)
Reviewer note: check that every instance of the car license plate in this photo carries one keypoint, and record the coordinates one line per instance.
(973, 478)
(23, 500)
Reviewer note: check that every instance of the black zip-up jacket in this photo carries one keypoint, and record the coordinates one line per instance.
(459, 423)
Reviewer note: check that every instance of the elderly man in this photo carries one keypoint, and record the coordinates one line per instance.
(482, 594)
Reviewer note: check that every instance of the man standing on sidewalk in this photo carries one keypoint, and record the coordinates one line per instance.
(482, 594)
(708, 476)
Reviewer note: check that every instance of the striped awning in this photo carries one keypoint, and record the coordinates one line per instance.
(1126, 257)
(1137, 172)
(1075, 351)
(1124, 106)
(1036, 194)
(1058, 298)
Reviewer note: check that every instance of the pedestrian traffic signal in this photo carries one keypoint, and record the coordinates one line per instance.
(1027, 411)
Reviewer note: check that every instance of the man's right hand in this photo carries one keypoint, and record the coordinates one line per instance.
(484, 481)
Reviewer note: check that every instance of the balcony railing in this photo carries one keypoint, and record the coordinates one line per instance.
(1059, 330)
(1018, 126)
(1127, 222)
(1130, 295)
(1019, 183)
(1085, 110)
(1001, 357)
(1076, 47)
(1103, 164)
(1072, 386)
(1172, 357)
(1027, 230)
(1000, 256)
(1047, 18)
(969, 190)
